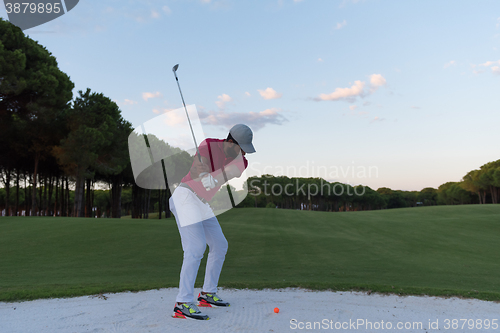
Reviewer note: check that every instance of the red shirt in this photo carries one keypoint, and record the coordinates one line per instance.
(213, 150)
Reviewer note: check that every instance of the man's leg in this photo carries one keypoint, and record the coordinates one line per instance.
(217, 244)
(193, 244)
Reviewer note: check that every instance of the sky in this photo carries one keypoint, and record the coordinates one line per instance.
(398, 94)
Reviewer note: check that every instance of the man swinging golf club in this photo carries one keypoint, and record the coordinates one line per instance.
(216, 162)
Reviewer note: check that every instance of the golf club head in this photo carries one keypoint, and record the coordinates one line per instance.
(174, 69)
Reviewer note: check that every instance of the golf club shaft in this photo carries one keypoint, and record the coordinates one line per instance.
(187, 115)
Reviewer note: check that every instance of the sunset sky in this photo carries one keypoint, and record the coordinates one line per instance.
(408, 88)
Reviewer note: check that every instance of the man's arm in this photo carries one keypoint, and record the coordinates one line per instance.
(198, 168)
(231, 170)
(221, 176)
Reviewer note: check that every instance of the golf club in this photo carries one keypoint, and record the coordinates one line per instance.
(174, 69)
(203, 174)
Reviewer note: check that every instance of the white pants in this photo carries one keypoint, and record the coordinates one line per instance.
(194, 238)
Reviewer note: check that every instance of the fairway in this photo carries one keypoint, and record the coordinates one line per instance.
(440, 250)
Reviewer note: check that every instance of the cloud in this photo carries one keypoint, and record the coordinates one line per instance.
(155, 14)
(164, 110)
(173, 118)
(223, 99)
(247, 94)
(451, 63)
(415, 107)
(144, 14)
(320, 60)
(340, 25)
(498, 23)
(489, 63)
(356, 90)
(493, 65)
(256, 120)
(129, 102)
(139, 19)
(360, 114)
(376, 119)
(148, 95)
(167, 10)
(376, 81)
(269, 93)
(345, 93)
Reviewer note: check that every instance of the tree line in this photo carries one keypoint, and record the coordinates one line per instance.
(479, 186)
(55, 148)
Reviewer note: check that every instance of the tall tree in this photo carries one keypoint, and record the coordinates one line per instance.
(488, 179)
(94, 124)
(97, 121)
(34, 92)
(472, 183)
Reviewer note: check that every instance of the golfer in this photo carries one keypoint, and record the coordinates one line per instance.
(221, 160)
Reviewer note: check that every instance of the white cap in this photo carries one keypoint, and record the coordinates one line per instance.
(243, 135)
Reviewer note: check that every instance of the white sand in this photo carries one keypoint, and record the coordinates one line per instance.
(250, 311)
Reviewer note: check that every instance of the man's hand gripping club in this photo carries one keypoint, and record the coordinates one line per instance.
(209, 182)
(201, 170)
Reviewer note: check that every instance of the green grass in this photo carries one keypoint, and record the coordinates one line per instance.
(443, 251)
